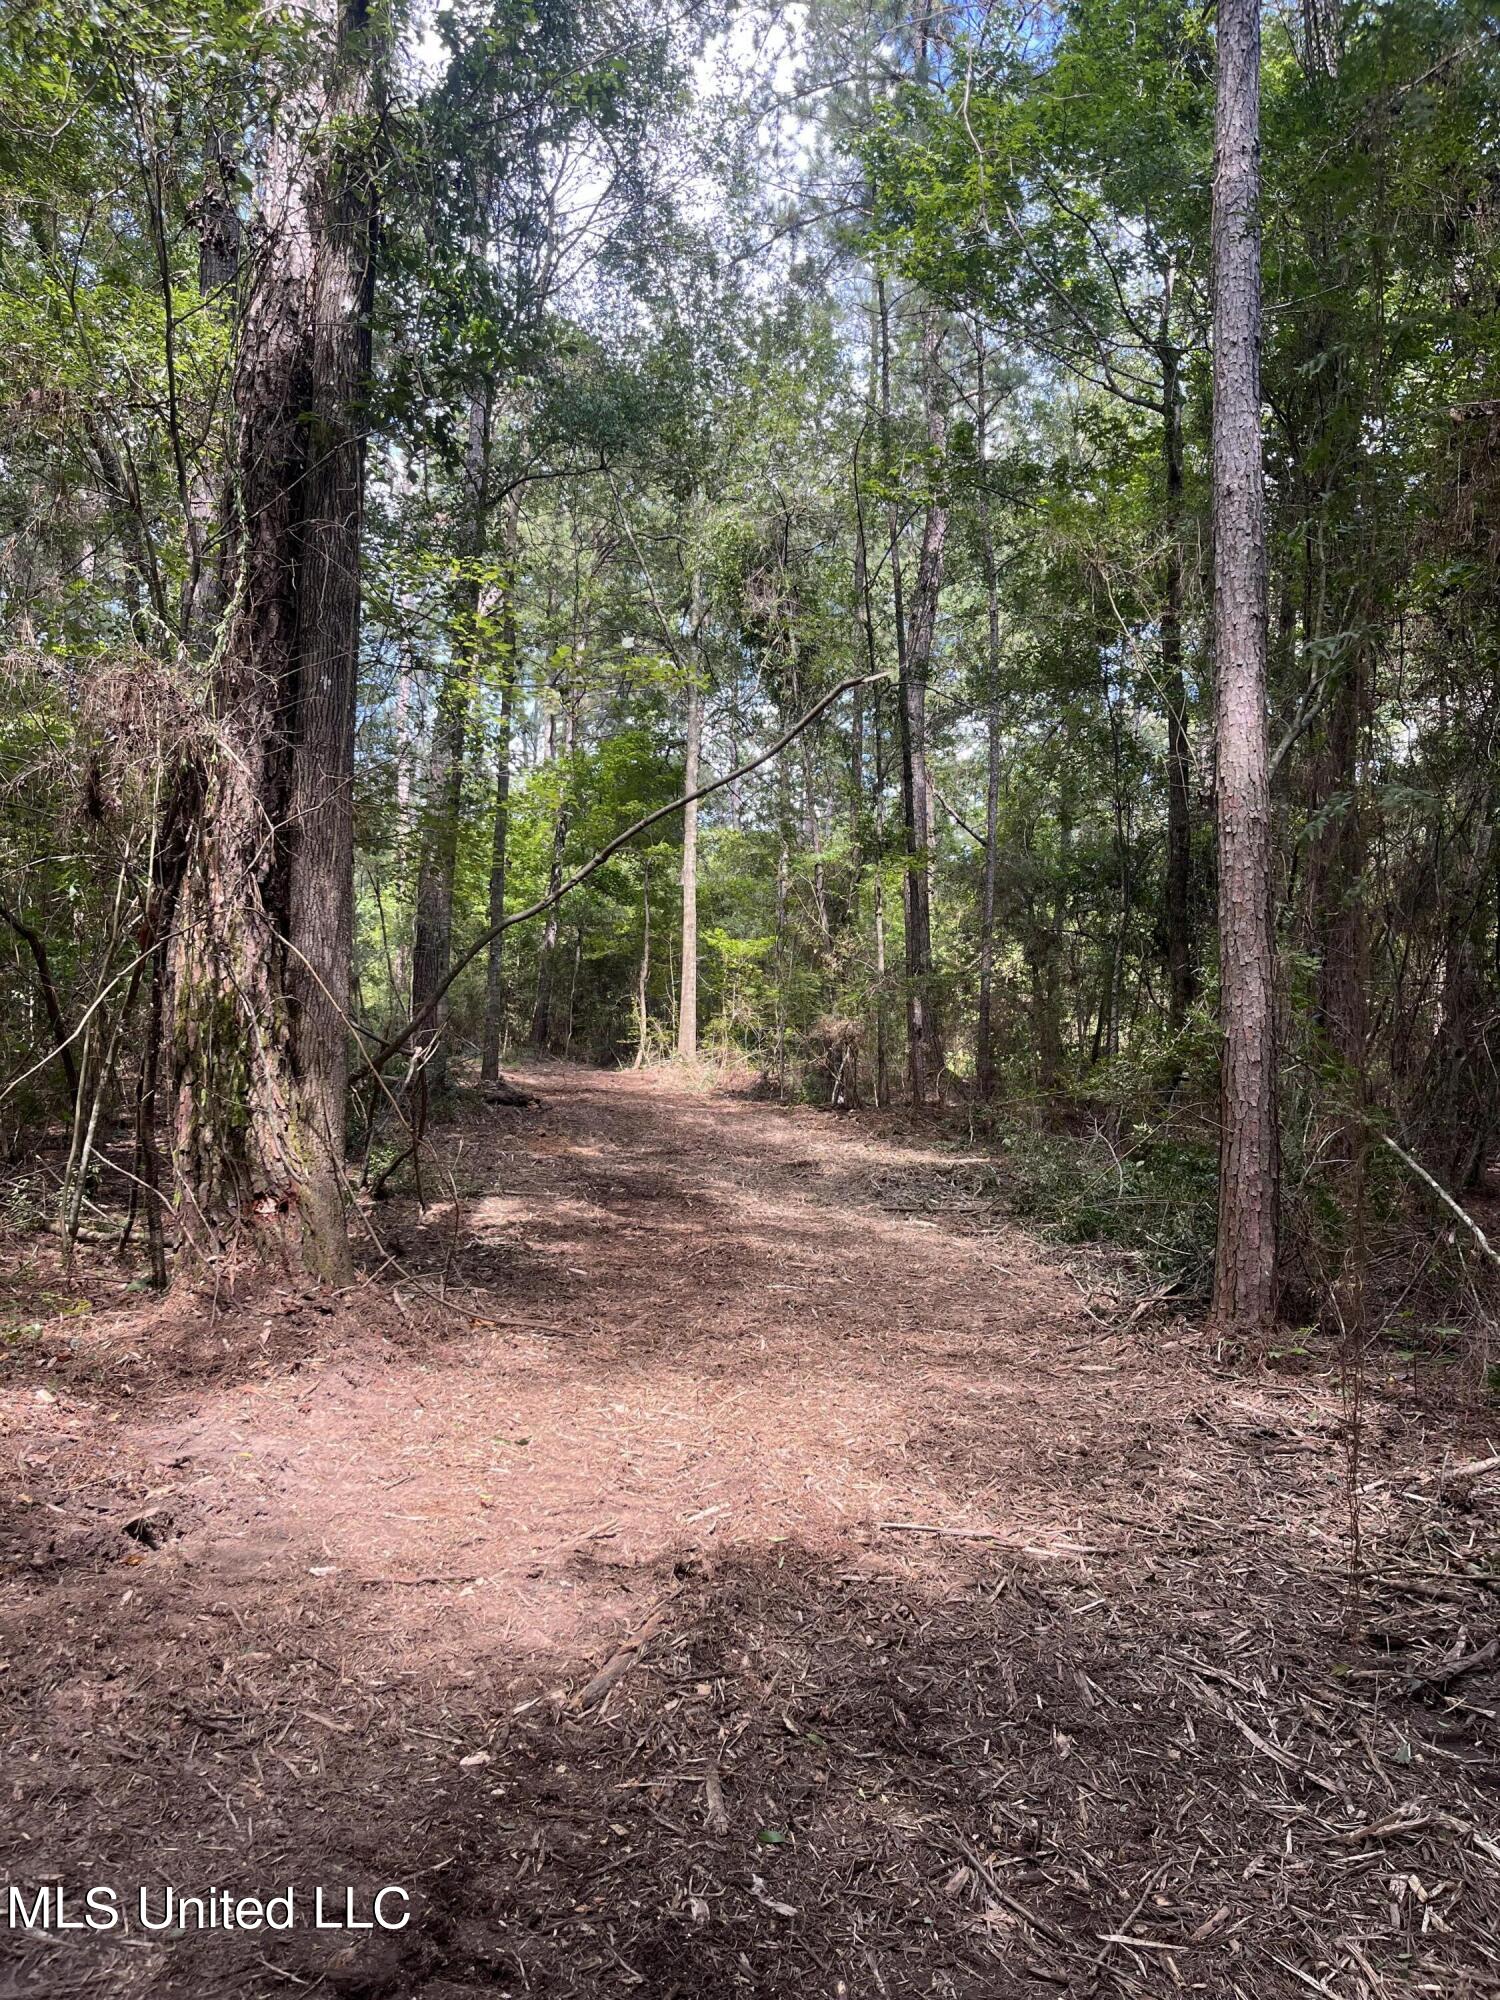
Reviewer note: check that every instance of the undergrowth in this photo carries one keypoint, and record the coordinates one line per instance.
(1151, 1195)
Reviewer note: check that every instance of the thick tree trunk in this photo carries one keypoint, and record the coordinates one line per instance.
(1245, 1261)
(260, 969)
(494, 973)
(328, 614)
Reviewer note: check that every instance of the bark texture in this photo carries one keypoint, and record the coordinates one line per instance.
(260, 967)
(1245, 1261)
(494, 971)
(1181, 983)
(984, 1054)
(541, 1013)
(432, 930)
(914, 659)
(687, 1011)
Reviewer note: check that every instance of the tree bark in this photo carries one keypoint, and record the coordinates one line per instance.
(541, 1013)
(494, 972)
(1181, 984)
(1245, 1260)
(261, 962)
(687, 1012)
(643, 979)
(432, 930)
(917, 789)
(984, 1054)
(914, 637)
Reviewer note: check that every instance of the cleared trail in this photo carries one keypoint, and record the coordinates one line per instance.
(733, 1559)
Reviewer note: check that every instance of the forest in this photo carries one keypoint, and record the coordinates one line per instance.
(750, 954)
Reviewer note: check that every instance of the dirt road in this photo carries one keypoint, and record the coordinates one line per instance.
(986, 1645)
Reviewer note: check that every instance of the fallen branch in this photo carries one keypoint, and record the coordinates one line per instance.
(1443, 1196)
(937, 1528)
(1454, 1670)
(618, 1665)
(1043, 1926)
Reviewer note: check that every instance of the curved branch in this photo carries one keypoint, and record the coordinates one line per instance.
(376, 1061)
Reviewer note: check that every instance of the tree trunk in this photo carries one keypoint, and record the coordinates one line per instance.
(1346, 567)
(687, 1013)
(783, 885)
(1178, 898)
(1245, 1260)
(261, 960)
(882, 1039)
(494, 971)
(984, 1054)
(1343, 982)
(1111, 1017)
(541, 1013)
(432, 931)
(917, 790)
(1456, 1111)
(913, 656)
(47, 985)
(643, 979)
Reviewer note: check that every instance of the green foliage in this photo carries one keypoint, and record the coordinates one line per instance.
(1153, 1196)
(652, 411)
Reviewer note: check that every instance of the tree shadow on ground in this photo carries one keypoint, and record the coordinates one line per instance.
(817, 1777)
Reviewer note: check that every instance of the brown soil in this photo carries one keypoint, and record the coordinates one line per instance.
(312, 1591)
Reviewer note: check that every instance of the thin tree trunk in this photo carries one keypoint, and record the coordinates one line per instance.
(494, 971)
(1178, 886)
(1048, 989)
(921, 632)
(432, 930)
(146, 1146)
(984, 1054)
(1343, 981)
(1245, 1260)
(913, 656)
(541, 1013)
(644, 977)
(882, 1026)
(687, 1013)
(567, 1040)
(1122, 857)
(812, 839)
(47, 985)
(783, 883)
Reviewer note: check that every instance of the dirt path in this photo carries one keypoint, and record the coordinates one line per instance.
(712, 1373)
